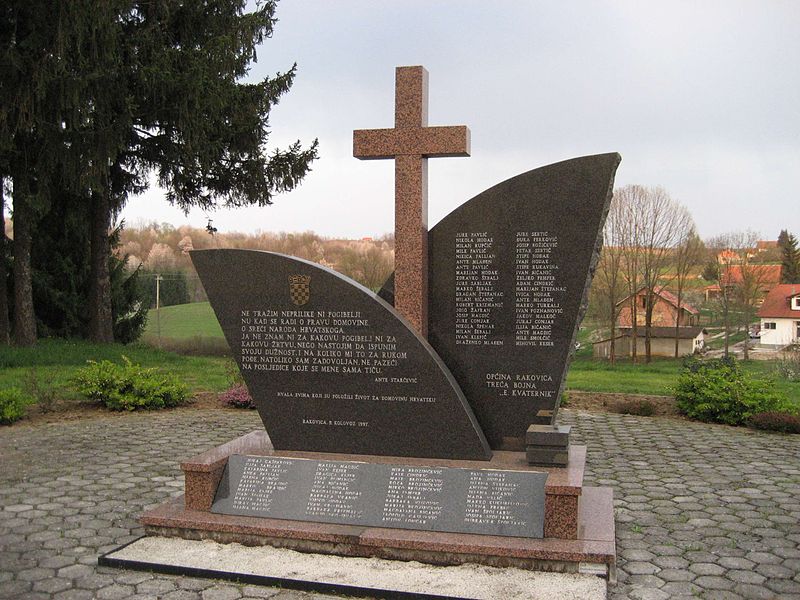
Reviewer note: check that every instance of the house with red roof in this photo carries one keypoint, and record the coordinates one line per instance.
(666, 311)
(731, 276)
(780, 316)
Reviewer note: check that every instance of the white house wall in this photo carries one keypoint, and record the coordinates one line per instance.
(785, 332)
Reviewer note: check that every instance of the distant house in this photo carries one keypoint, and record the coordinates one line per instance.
(662, 342)
(728, 257)
(767, 276)
(666, 312)
(766, 245)
(780, 316)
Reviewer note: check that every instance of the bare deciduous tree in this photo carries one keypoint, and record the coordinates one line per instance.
(688, 254)
(608, 284)
(367, 264)
(742, 282)
(655, 225)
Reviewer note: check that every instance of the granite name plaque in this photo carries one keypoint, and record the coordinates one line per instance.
(446, 499)
(509, 275)
(332, 367)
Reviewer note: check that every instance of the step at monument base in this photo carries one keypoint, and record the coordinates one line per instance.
(578, 521)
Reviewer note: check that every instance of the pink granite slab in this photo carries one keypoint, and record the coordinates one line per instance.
(595, 544)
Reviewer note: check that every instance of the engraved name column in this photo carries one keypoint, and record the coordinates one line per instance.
(538, 297)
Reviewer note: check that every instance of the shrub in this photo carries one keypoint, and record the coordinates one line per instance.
(789, 366)
(130, 386)
(237, 397)
(775, 421)
(12, 405)
(42, 393)
(642, 408)
(719, 391)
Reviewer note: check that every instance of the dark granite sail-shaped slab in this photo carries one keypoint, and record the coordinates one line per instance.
(509, 276)
(332, 367)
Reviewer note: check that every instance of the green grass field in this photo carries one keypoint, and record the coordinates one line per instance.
(183, 321)
(590, 375)
(55, 362)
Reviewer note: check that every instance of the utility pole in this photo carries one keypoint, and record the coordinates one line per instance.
(159, 279)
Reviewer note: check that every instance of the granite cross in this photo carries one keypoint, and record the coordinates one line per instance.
(411, 143)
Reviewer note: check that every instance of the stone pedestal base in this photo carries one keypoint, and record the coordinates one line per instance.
(578, 523)
(547, 445)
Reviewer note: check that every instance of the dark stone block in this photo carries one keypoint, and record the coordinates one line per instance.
(447, 499)
(509, 275)
(331, 367)
(547, 435)
(548, 457)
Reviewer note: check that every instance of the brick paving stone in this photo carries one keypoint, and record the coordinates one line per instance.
(750, 577)
(95, 581)
(784, 586)
(706, 569)
(36, 574)
(645, 581)
(736, 563)
(676, 589)
(222, 592)
(720, 595)
(74, 595)
(116, 591)
(637, 555)
(754, 592)
(641, 568)
(52, 585)
(670, 562)
(10, 589)
(182, 595)
(713, 582)
(644, 593)
(685, 494)
(75, 571)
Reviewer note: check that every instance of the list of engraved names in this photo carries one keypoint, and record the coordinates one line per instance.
(335, 492)
(479, 298)
(413, 496)
(494, 499)
(537, 296)
(260, 482)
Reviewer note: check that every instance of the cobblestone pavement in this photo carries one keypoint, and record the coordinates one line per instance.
(702, 511)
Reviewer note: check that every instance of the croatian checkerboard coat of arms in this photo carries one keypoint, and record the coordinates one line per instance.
(300, 289)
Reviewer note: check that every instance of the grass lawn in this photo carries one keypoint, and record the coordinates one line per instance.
(183, 321)
(54, 363)
(590, 375)
(657, 378)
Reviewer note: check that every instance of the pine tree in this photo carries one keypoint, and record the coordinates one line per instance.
(104, 92)
(790, 259)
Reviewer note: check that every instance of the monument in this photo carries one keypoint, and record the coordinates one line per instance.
(418, 423)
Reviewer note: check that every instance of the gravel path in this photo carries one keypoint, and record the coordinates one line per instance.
(702, 511)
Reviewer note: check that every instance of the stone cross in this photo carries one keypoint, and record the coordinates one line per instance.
(411, 143)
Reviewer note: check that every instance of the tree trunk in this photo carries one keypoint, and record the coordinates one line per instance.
(678, 323)
(613, 323)
(5, 337)
(648, 325)
(101, 326)
(746, 352)
(725, 325)
(24, 317)
(634, 328)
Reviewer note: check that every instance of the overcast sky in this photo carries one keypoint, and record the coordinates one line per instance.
(700, 97)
